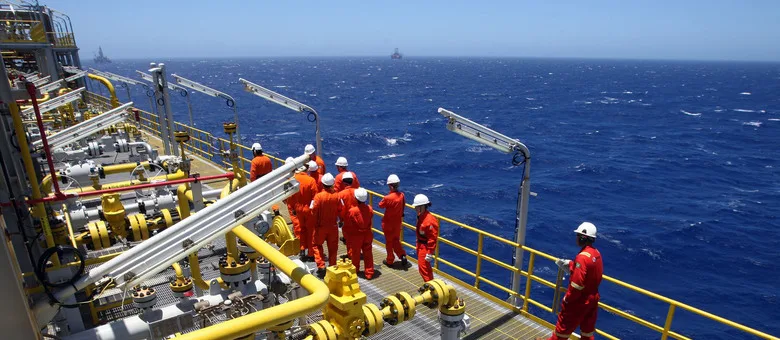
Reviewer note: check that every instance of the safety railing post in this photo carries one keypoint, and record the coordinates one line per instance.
(438, 246)
(478, 270)
(668, 323)
(527, 295)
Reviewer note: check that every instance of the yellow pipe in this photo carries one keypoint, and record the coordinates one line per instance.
(179, 273)
(123, 184)
(108, 170)
(39, 210)
(197, 277)
(109, 86)
(231, 243)
(248, 324)
(184, 200)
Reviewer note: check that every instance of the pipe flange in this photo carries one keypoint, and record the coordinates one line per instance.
(144, 297)
(323, 330)
(356, 328)
(409, 304)
(373, 318)
(455, 310)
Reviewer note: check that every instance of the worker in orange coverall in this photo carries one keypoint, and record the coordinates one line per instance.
(290, 202)
(394, 204)
(309, 150)
(347, 201)
(341, 165)
(261, 164)
(326, 208)
(427, 234)
(359, 220)
(306, 222)
(314, 173)
(581, 302)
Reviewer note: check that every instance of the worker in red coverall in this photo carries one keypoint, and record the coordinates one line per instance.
(261, 164)
(309, 150)
(427, 234)
(306, 222)
(581, 303)
(341, 165)
(360, 219)
(326, 208)
(314, 173)
(347, 201)
(394, 204)
(290, 202)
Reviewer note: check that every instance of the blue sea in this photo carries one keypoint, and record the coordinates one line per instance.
(677, 163)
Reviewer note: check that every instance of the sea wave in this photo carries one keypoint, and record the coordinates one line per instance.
(744, 110)
(392, 155)
(691, 113)
(745, 93)
(433, 186)
(752, 123)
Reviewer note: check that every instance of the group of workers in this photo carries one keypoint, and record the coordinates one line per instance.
(324, 202)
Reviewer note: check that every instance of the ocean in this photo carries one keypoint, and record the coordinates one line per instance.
(675, 162)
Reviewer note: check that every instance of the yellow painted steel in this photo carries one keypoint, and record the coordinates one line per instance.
(197, 277)
(109, 86)
(39, 210)
(317, 298)
(183, 200)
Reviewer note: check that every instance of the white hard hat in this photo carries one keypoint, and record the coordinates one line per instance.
(256, 147)
(392, 179)
(420, 199)
(289, 160)
(328, 180)
(361, 195)
(347, 175)
(342, 161)
(586, 229)
(313, 166)
(309, 149)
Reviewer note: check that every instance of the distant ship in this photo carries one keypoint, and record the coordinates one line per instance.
(396, 55)
(100, 58)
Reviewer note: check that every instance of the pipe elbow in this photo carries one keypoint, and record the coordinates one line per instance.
(109, 86)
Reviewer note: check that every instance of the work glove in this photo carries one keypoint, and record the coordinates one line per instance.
(564, 264)
(428, 257)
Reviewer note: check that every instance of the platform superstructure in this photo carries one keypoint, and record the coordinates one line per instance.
(121, 223)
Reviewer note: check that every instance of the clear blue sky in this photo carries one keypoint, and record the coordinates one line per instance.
(683, 29)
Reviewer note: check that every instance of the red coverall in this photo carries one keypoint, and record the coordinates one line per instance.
(393, 204)
(348, 201)
(261, 165)
(326, 208)
(339, 185)
(360, 220)
(306, 222)
(317, 180)
(320, 164)
(427, 234)
(581, 303)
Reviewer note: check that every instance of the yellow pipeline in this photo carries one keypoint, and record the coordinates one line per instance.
(276, 315)
(109, 86)
(197, 277)
(39, 210)
(183, 200)
(231, 243)
(108, 170)
(123, 184)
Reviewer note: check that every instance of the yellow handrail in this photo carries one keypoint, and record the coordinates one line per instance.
(535, 255)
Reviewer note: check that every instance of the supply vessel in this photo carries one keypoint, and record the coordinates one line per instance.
(123, 223)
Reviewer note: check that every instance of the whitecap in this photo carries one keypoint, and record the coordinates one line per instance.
(744, 190)
(288, 133)
(395, 78)
(774, 119)
(391, 141)
(628, 92)
(312, 94)
(392, 155)
(281, 86)
(530, 98)
(744, 110)
(691, 113)
(428, 99)
(536, 107)
(754, 123)
(333, 97)
(611, 99)
(433, 186)
(745, 93)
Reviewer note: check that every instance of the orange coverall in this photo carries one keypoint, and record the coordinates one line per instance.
(393, 203)
(306, 222)
(320, 164)
(317, 180)
(581, 303)
(427, 234)
(348, 201)
(360, 219)
(261, 165)
(339, 185)
(325, 209)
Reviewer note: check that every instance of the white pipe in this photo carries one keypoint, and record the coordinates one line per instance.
(147, 146)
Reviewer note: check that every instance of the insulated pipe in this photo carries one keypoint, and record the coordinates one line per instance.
(248, 324)
(109, 86)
